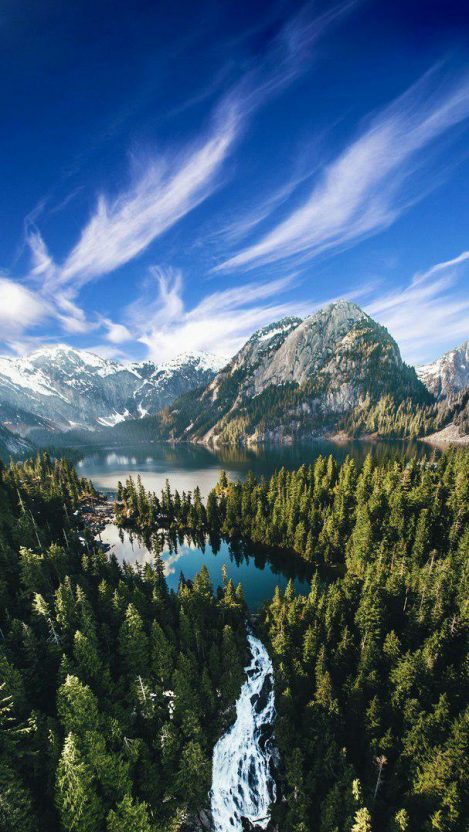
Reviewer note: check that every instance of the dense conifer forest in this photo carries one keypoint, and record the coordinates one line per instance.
(371, 666)
(371, 669)
(112, 690)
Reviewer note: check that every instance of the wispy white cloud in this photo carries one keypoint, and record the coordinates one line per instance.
(362, 190)
(123, 227)
(288, 55)
(19, 308)
(431, 313)
(44, 278)
(116, 333)
(165, 190)
(241, 226)
(220, 323)
(107, 351)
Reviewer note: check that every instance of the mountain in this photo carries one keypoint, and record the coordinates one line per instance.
(448, 374)
(12, 445)
(297, 378)
(162, 384)
(317, 370)
(62, 388)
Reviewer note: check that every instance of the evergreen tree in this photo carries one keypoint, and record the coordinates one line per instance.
(76, 797)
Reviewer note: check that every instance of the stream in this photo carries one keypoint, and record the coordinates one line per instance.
(242, 783)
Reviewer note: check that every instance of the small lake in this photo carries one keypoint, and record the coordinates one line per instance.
(258, 573)
(187, 465)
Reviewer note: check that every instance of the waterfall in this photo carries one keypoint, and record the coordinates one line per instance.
(242, 781)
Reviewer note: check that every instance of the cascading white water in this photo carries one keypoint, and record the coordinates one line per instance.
(242, 782)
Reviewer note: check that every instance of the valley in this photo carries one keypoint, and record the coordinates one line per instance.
(152, 689)
(240, 555)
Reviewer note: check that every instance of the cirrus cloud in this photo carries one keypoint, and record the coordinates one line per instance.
(362, 191)
(219, 323)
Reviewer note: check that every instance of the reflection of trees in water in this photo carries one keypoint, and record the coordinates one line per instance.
(269, 457)
(240, 552)
(280, 561)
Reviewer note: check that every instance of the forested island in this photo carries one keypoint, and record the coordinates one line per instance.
(115, 690)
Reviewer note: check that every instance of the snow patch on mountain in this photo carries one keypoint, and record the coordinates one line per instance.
(76, 388)
(113, 419)
(448, 374)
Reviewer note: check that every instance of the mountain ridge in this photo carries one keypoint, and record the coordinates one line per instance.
(336, 371)
(78, 389)
(321, 368)
(448, 374)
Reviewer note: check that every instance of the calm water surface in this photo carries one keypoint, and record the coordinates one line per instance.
(258, 572)
(187, 465)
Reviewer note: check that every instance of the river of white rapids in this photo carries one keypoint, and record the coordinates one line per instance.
(242, 783)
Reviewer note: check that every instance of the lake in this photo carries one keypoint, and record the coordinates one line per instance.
(258, 571)
(187, 465)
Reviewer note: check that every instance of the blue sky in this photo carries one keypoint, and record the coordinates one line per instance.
(176, 175)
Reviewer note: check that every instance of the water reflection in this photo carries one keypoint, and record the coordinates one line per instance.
(258, 569)
(187, 465)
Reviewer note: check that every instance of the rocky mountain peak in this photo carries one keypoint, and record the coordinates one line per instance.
(310, 344)
(264, 342)
(448, 374)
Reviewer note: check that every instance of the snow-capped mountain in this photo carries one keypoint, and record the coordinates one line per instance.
(163, 383)
(70, 388)
(448, 374)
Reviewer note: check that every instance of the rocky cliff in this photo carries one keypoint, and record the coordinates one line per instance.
(448, 374)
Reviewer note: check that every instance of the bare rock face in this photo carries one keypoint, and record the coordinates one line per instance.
(448, 374)
(298, 377)
(201, 821)
(308, 348)
(254, 357)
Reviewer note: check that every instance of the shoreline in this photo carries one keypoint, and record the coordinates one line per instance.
(340, 438)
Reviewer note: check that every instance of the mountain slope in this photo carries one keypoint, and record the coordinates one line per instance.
(12, 445)
(162, 384)
(295, 379)
(76, 389)
(448, 374)
(319, 370)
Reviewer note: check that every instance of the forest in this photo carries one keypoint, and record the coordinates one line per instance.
(113, 690)
(371, 666)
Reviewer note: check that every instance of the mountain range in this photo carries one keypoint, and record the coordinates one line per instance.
(335, 371)
(299, 377)
(60, 388)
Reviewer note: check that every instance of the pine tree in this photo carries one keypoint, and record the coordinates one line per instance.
(129, 816)
(16, 809)
(362, 822)
(133, 643)
(76, 798)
